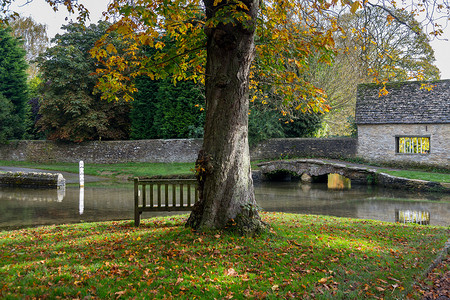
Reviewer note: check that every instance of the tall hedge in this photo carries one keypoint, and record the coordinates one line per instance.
(163, 110)
(13, 82)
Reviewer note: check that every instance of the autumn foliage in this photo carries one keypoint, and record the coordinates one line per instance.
(287, 34)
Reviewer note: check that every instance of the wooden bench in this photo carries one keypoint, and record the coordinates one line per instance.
(163, 195)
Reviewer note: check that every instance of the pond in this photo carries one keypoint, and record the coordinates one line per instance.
(31, 207)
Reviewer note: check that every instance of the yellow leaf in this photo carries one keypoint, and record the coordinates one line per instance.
(111, 49)
(354, 7)
(144, 39)
(323, 280)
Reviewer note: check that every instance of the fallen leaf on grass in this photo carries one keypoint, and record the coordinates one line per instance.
(275, 287)
(392, 278)
(323, 280)
(121, 293)
(230, 272)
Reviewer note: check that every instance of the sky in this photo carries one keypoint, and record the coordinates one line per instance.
(42, 13)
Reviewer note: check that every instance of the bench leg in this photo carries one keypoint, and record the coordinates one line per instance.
(137, 217)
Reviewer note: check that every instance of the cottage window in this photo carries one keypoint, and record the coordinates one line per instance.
(413, 144)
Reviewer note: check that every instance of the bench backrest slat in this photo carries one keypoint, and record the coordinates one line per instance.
(144, 194)
(189, 195)
(166, 195)
(174, 194)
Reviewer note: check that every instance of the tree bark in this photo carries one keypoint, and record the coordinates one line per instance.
(223, 166)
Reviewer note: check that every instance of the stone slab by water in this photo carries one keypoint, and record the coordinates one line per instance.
(33, 180)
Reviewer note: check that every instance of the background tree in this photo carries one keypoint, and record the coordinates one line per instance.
(178, 111)
(69, 110)
(6, 119)
(266, 121)
(33, 116)
(34, 37)
(163, 110)
(142, 114)
(13, 80)
(372, 47)
(390, 50)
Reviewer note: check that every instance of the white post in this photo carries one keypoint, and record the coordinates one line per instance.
(81, 174)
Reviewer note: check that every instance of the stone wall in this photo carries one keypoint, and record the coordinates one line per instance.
(305, 147)
(378, 143)
(176, 150)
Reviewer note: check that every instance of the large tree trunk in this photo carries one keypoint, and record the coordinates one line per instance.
(223, 166)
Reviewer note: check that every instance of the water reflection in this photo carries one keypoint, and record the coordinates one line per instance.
(21, 208)
(410, 216)
(338, 182)
(27, 194)
(363, 202)
(81, 203)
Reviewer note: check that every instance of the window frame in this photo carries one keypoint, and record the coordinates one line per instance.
(397, 144)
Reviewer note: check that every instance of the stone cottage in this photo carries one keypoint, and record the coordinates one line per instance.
(410, 124)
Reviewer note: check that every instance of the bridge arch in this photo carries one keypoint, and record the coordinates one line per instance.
(316, 168)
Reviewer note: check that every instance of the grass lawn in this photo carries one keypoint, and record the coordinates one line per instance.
(430, 176)
(111, 170)
(303, 256)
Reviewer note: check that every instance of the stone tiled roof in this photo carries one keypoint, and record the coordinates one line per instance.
(406, 103)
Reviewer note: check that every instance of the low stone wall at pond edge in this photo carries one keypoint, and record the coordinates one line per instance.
(175, 150)
(390, 181)
(32, 180)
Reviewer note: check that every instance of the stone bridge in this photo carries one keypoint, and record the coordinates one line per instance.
(316, 169)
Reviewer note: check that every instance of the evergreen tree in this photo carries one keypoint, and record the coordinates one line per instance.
(305, 125)
(164, 110)
(266, 121)
(6, 119)
(177, 115)
(143, 109)
(13, 81)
